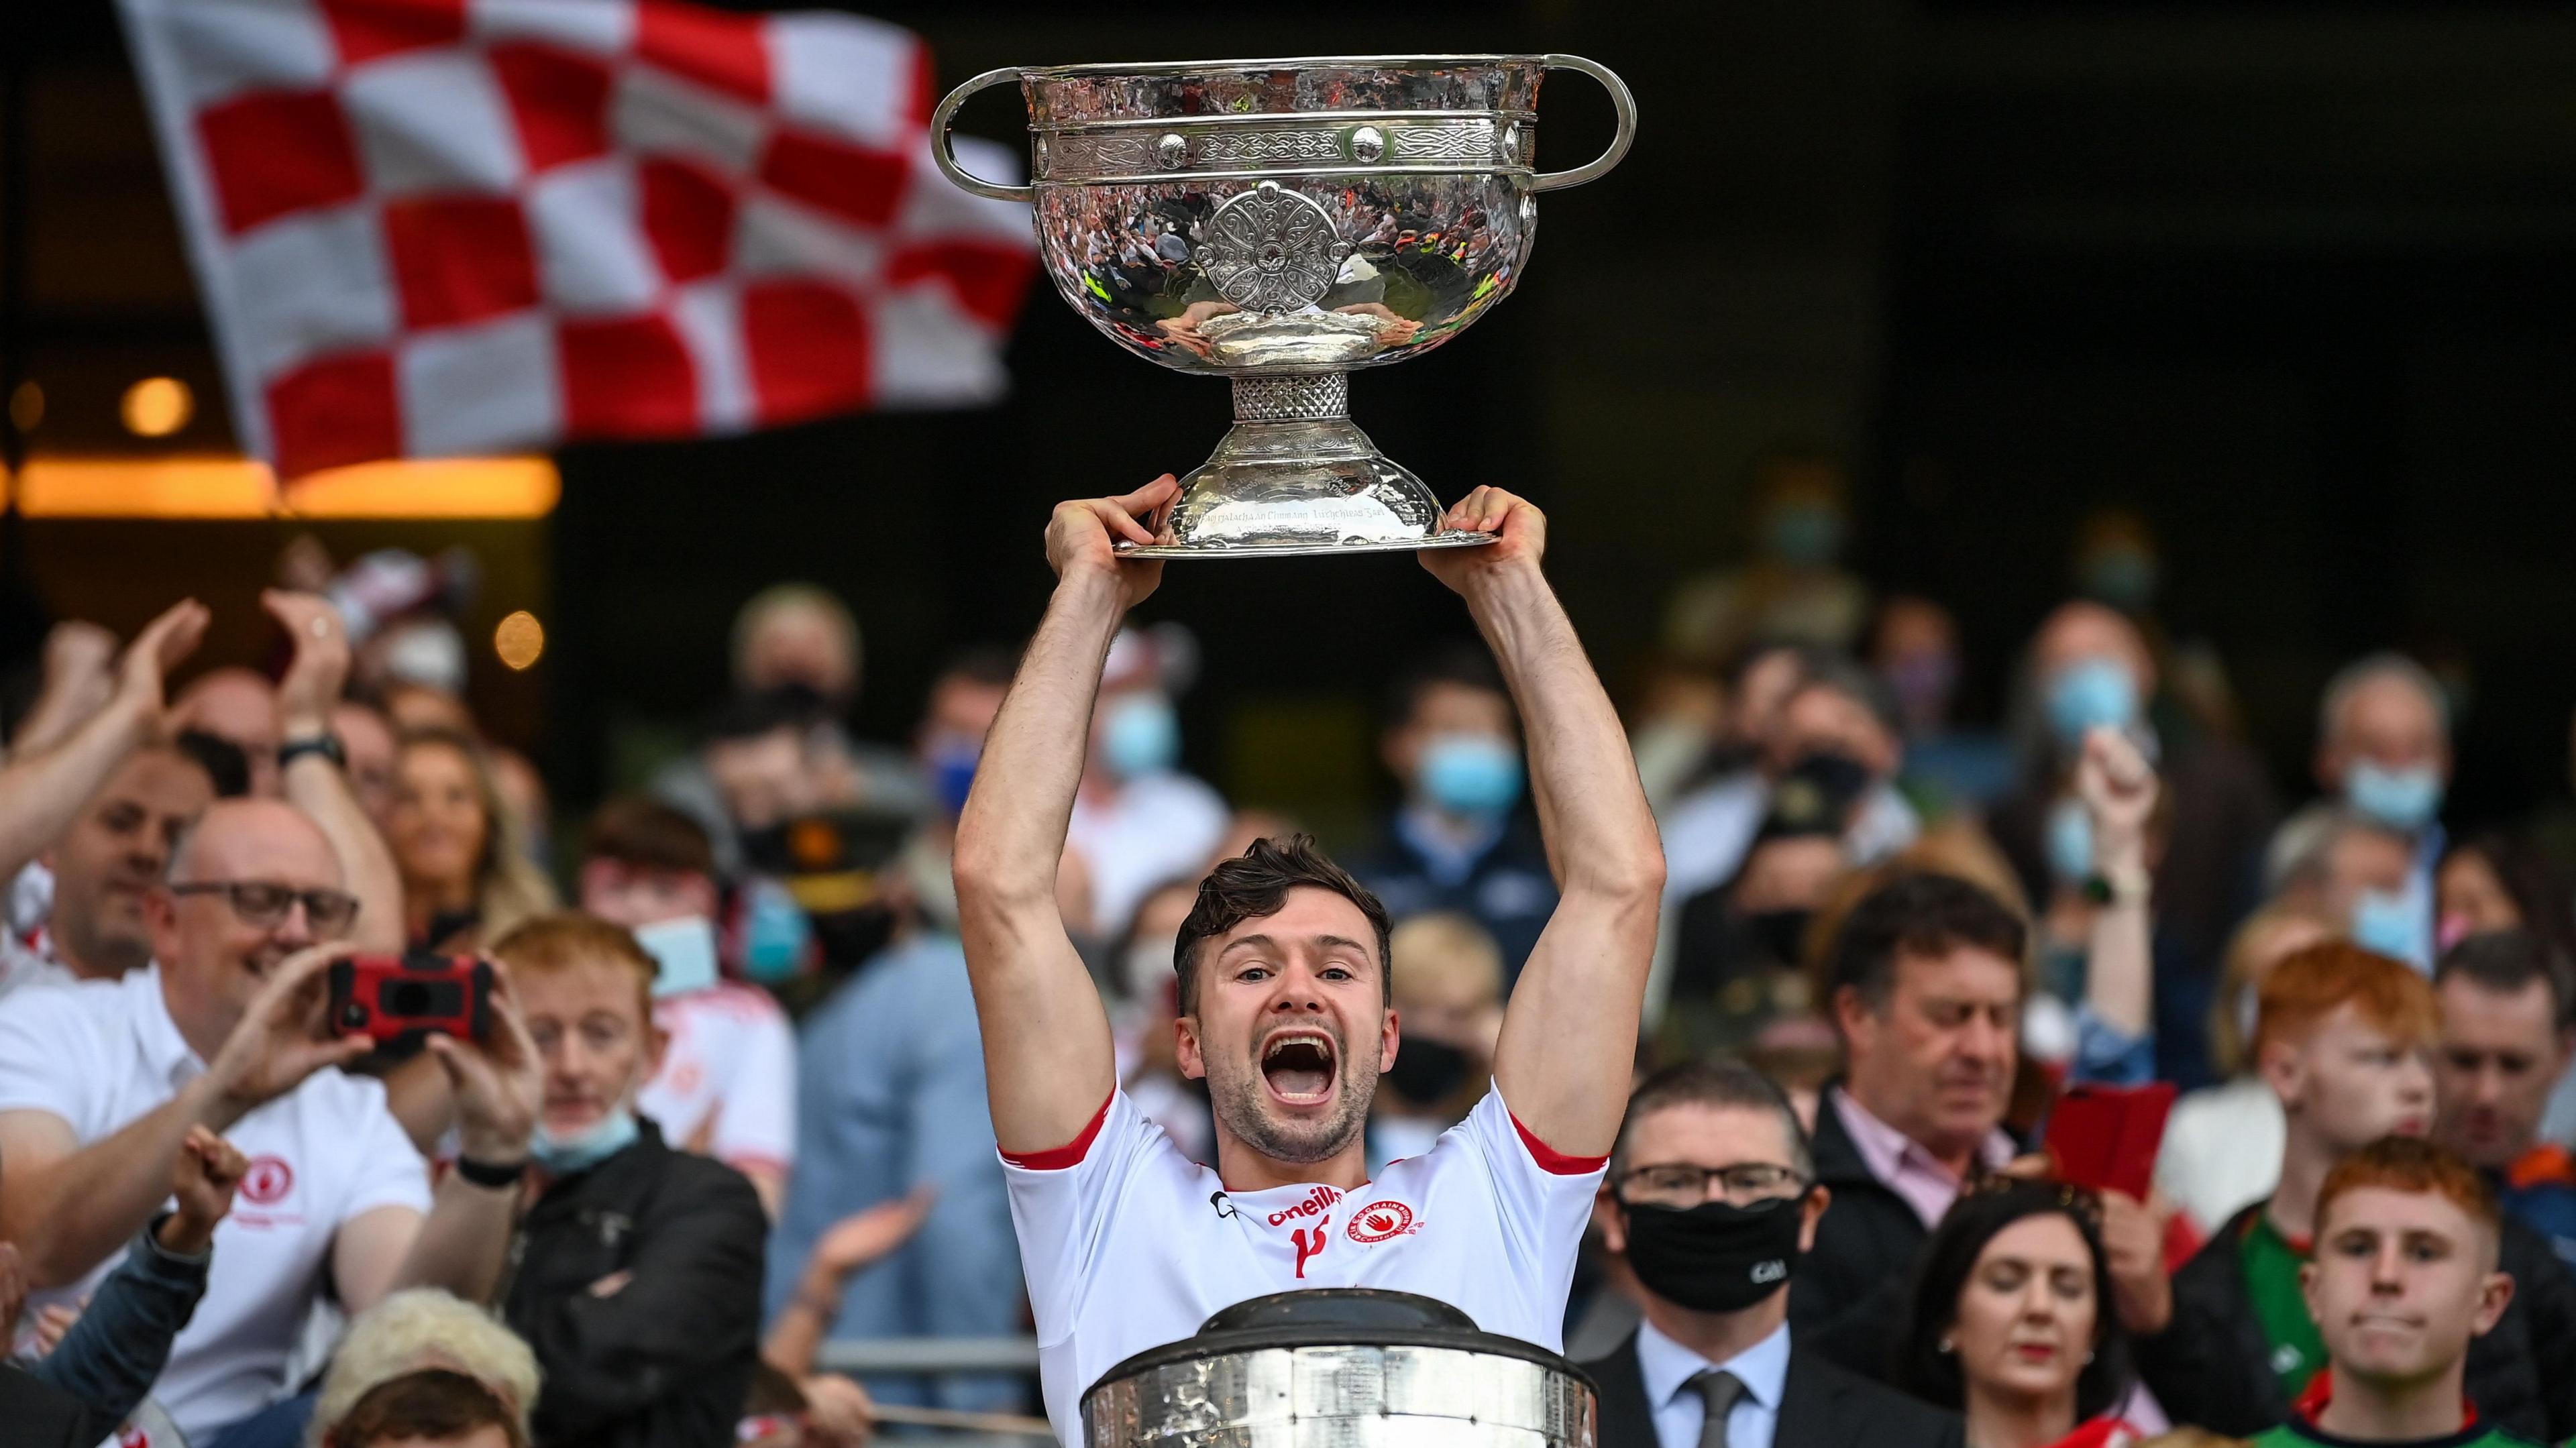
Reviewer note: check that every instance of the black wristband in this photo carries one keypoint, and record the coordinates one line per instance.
(326, 745)
(491, 1174)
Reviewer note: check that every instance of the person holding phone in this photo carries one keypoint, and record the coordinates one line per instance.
(2011, 1320)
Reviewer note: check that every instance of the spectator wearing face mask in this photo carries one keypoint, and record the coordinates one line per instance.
(2506, 1040)
(1915, 649)
(638, 1267)
(2499, 881)
(2091, 668)
(1793, 589)
(726, 1086)
(1139, 820)
(2383, 755)
(1712, 1201)
(1454, 844)
(1448, 988)
(1142, 993)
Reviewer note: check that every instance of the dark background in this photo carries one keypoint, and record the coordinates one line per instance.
(2293, 280)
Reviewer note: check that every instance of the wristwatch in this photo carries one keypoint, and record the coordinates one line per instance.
(2126, 887)
(325, 744)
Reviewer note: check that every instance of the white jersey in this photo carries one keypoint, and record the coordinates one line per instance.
(1127, 1244)
(727, 1087)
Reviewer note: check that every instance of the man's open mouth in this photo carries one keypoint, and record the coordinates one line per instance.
(1299, 1064)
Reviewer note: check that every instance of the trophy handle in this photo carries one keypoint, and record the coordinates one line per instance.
(947, 160)
(1621, 101)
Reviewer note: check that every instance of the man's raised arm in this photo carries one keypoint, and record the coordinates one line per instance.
(1048, 1060)
(1570, 1036)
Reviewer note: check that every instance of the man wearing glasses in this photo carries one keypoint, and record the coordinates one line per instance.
(1711, 1198)
(100, 1083)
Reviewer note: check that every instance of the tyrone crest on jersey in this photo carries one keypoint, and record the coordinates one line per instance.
(1381, 1222)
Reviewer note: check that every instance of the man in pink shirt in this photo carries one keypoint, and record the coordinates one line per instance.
(1924, 984)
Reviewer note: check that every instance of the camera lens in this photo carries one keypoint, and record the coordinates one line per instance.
(407, 998)
(354, 1015)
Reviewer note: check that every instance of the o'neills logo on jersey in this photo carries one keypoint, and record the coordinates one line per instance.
(1317, 1202)
(1381, 1221)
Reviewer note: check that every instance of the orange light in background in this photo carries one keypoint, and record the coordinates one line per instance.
(207, 487)
(520, 640)
(157, 407)
(27, 406)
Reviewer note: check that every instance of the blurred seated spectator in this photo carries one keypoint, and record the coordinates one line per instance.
(1142, 994)
(2354, 872)
(638, 1281)
(466, 881)
(106, 1361)
(726, 1085)
(367, 744)
(1792, 589)
(420, 1328)
(1680, 719)
(1456, 843)
(1138, 819)
(836, 1409)
(1447, 980)
(2506, 1040)
(239, 707)
(2383, 755)
(799, 634)
(1710, 1202)
(1923, 981)
(101, 1084)
(2500, 881)
(413, 707)
(2091, 668)
(1914, 648)
(2222, 1146)
(2346, 1039)
(431, 1408)
(2013, 1320)
(2402, 1298)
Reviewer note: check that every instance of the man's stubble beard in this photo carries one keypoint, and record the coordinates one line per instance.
(1238, 1101)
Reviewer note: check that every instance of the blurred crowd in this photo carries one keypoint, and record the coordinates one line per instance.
(728, 1105)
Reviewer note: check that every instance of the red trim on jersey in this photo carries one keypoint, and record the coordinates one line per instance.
(1069, 1154)
(1553, 1161)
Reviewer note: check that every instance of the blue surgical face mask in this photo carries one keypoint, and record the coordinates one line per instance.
(774, 932)
(2087, 694)
(2402, 799)
(2386, 921)
(1139, 735)
(952, 772)
(683, 951)
(1804, 533)
(564, 1156)
(1471, 774)
(2070, 841)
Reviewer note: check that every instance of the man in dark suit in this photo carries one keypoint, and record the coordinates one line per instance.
(1712, 1198)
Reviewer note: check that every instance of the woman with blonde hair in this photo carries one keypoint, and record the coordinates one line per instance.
(466, 878)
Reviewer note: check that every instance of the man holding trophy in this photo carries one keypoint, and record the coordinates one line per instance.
(1285, 1010)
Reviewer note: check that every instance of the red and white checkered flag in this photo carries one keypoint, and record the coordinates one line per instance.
(433, 227)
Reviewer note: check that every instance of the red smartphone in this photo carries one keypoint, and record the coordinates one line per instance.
(399, 1000)
(2106, 1137)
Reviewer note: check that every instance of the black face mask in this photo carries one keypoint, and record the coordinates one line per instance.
(1426, 1071)
(1780, 935)
(1715, 1257)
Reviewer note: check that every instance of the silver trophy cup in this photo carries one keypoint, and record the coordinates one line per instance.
(1284, 223)
(1342, 1368)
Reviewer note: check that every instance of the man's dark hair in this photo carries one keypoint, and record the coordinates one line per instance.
(766, 711)
(1256, 883)
(1924, 1369)
(1458, 666)
(1719, 1081)
(646, 834)
(988, 664)
(1917, 913)
(432, 1403)
(2507, 962)
(1860, 685)
(221, 759)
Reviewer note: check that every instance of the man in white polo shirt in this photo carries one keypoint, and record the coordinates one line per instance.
(101, 1082)
(1284, 1009)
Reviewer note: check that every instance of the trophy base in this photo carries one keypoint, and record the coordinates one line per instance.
(1295, 478)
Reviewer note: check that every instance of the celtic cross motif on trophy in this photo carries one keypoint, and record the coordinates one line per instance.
(1272, 250)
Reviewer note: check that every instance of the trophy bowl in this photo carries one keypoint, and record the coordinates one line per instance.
(1284, 223)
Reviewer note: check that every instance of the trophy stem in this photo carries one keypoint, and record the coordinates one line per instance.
(1312, 397)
